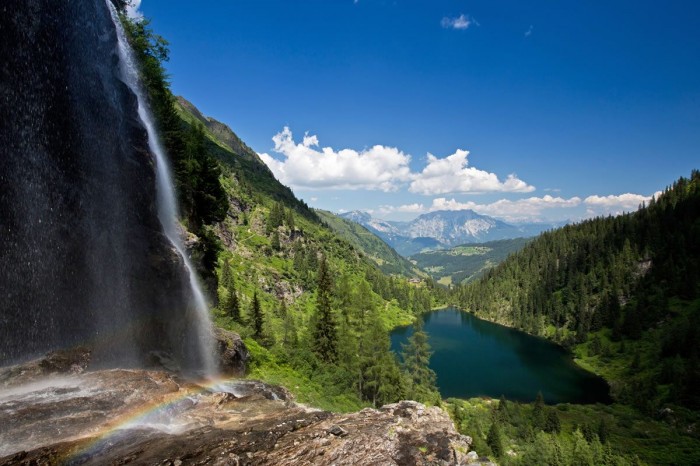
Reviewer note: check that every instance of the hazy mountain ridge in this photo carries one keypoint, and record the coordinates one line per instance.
(386, 258)
(444, 229)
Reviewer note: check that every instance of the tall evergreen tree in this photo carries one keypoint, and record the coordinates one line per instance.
(379, 378)
(232, 305)
(276, 217)
(552, 423)
(494, 439)
(225, 273)
(290, 220)
(275, 241)
(416, 360)
(502, 412)
(256, 315)
(538, 412)
(325, 338)
(289, 330)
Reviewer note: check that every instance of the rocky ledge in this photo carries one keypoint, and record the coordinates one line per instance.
(154, 417)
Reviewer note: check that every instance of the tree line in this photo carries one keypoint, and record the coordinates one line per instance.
(611, 280)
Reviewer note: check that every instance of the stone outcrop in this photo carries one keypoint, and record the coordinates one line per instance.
(232, 352)
(153, 417)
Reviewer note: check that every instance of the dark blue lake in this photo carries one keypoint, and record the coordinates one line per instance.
(473, 357)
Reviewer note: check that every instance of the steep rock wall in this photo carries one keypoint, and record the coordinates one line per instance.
(82, 256)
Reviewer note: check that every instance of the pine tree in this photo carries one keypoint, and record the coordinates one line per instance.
(275, 218)
(275, 241)
(290, 220)
(494, 439)
(379, 379)
(289, 330)
(225, 273)
(416, 359)
(552, 423)
(603, 430)
(502, 412)
(256, 317)
(325, 338)
(538, 412)
(232, 305)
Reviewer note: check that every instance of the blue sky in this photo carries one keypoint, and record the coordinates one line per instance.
(567, 109)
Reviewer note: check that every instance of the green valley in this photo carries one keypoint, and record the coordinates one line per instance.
(315, 296)
(462, 264)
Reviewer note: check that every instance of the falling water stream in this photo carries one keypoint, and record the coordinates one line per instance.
(165, 192)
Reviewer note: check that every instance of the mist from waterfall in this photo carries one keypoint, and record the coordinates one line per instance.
(167, 204)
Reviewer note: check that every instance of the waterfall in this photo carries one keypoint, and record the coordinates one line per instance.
(167, 204)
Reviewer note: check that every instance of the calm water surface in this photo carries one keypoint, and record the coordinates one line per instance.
(472, 357)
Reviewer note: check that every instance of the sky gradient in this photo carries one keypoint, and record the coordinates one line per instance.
(523, 110)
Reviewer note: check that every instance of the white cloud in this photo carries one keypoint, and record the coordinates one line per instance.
(132, 9)
(305, 166)
(452, 175)
(459, 22)
(529, 209)
(615, 204)
(529, 31)
(521, 210)
(534, 209)
(414, 208)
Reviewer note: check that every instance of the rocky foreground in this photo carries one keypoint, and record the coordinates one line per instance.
(54, 412)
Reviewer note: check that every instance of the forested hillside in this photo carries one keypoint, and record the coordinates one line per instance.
(467, 262)
(624, 289)
(314, 311)
(388, 260)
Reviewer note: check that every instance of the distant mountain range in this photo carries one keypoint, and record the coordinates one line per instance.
(444, 229)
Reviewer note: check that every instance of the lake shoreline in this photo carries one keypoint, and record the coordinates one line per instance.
(537, 359)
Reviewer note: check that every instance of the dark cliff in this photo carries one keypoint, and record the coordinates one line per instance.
(82, 254)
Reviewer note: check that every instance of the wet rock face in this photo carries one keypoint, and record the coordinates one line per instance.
(151, 417)
(233, 354)
(82, 252)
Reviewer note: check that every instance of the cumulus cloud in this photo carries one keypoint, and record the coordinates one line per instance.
(534, 209)
(459, 22)
(414, 208)
(132, 9)
(615, 204)
(521, 210)
(306, 166)
(528, 209)
(453, 175)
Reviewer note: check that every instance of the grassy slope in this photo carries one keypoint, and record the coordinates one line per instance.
(462, 264)
(239, 161)
(388, 260)
(257, 268)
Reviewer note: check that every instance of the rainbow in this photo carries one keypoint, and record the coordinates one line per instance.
(92, 445)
